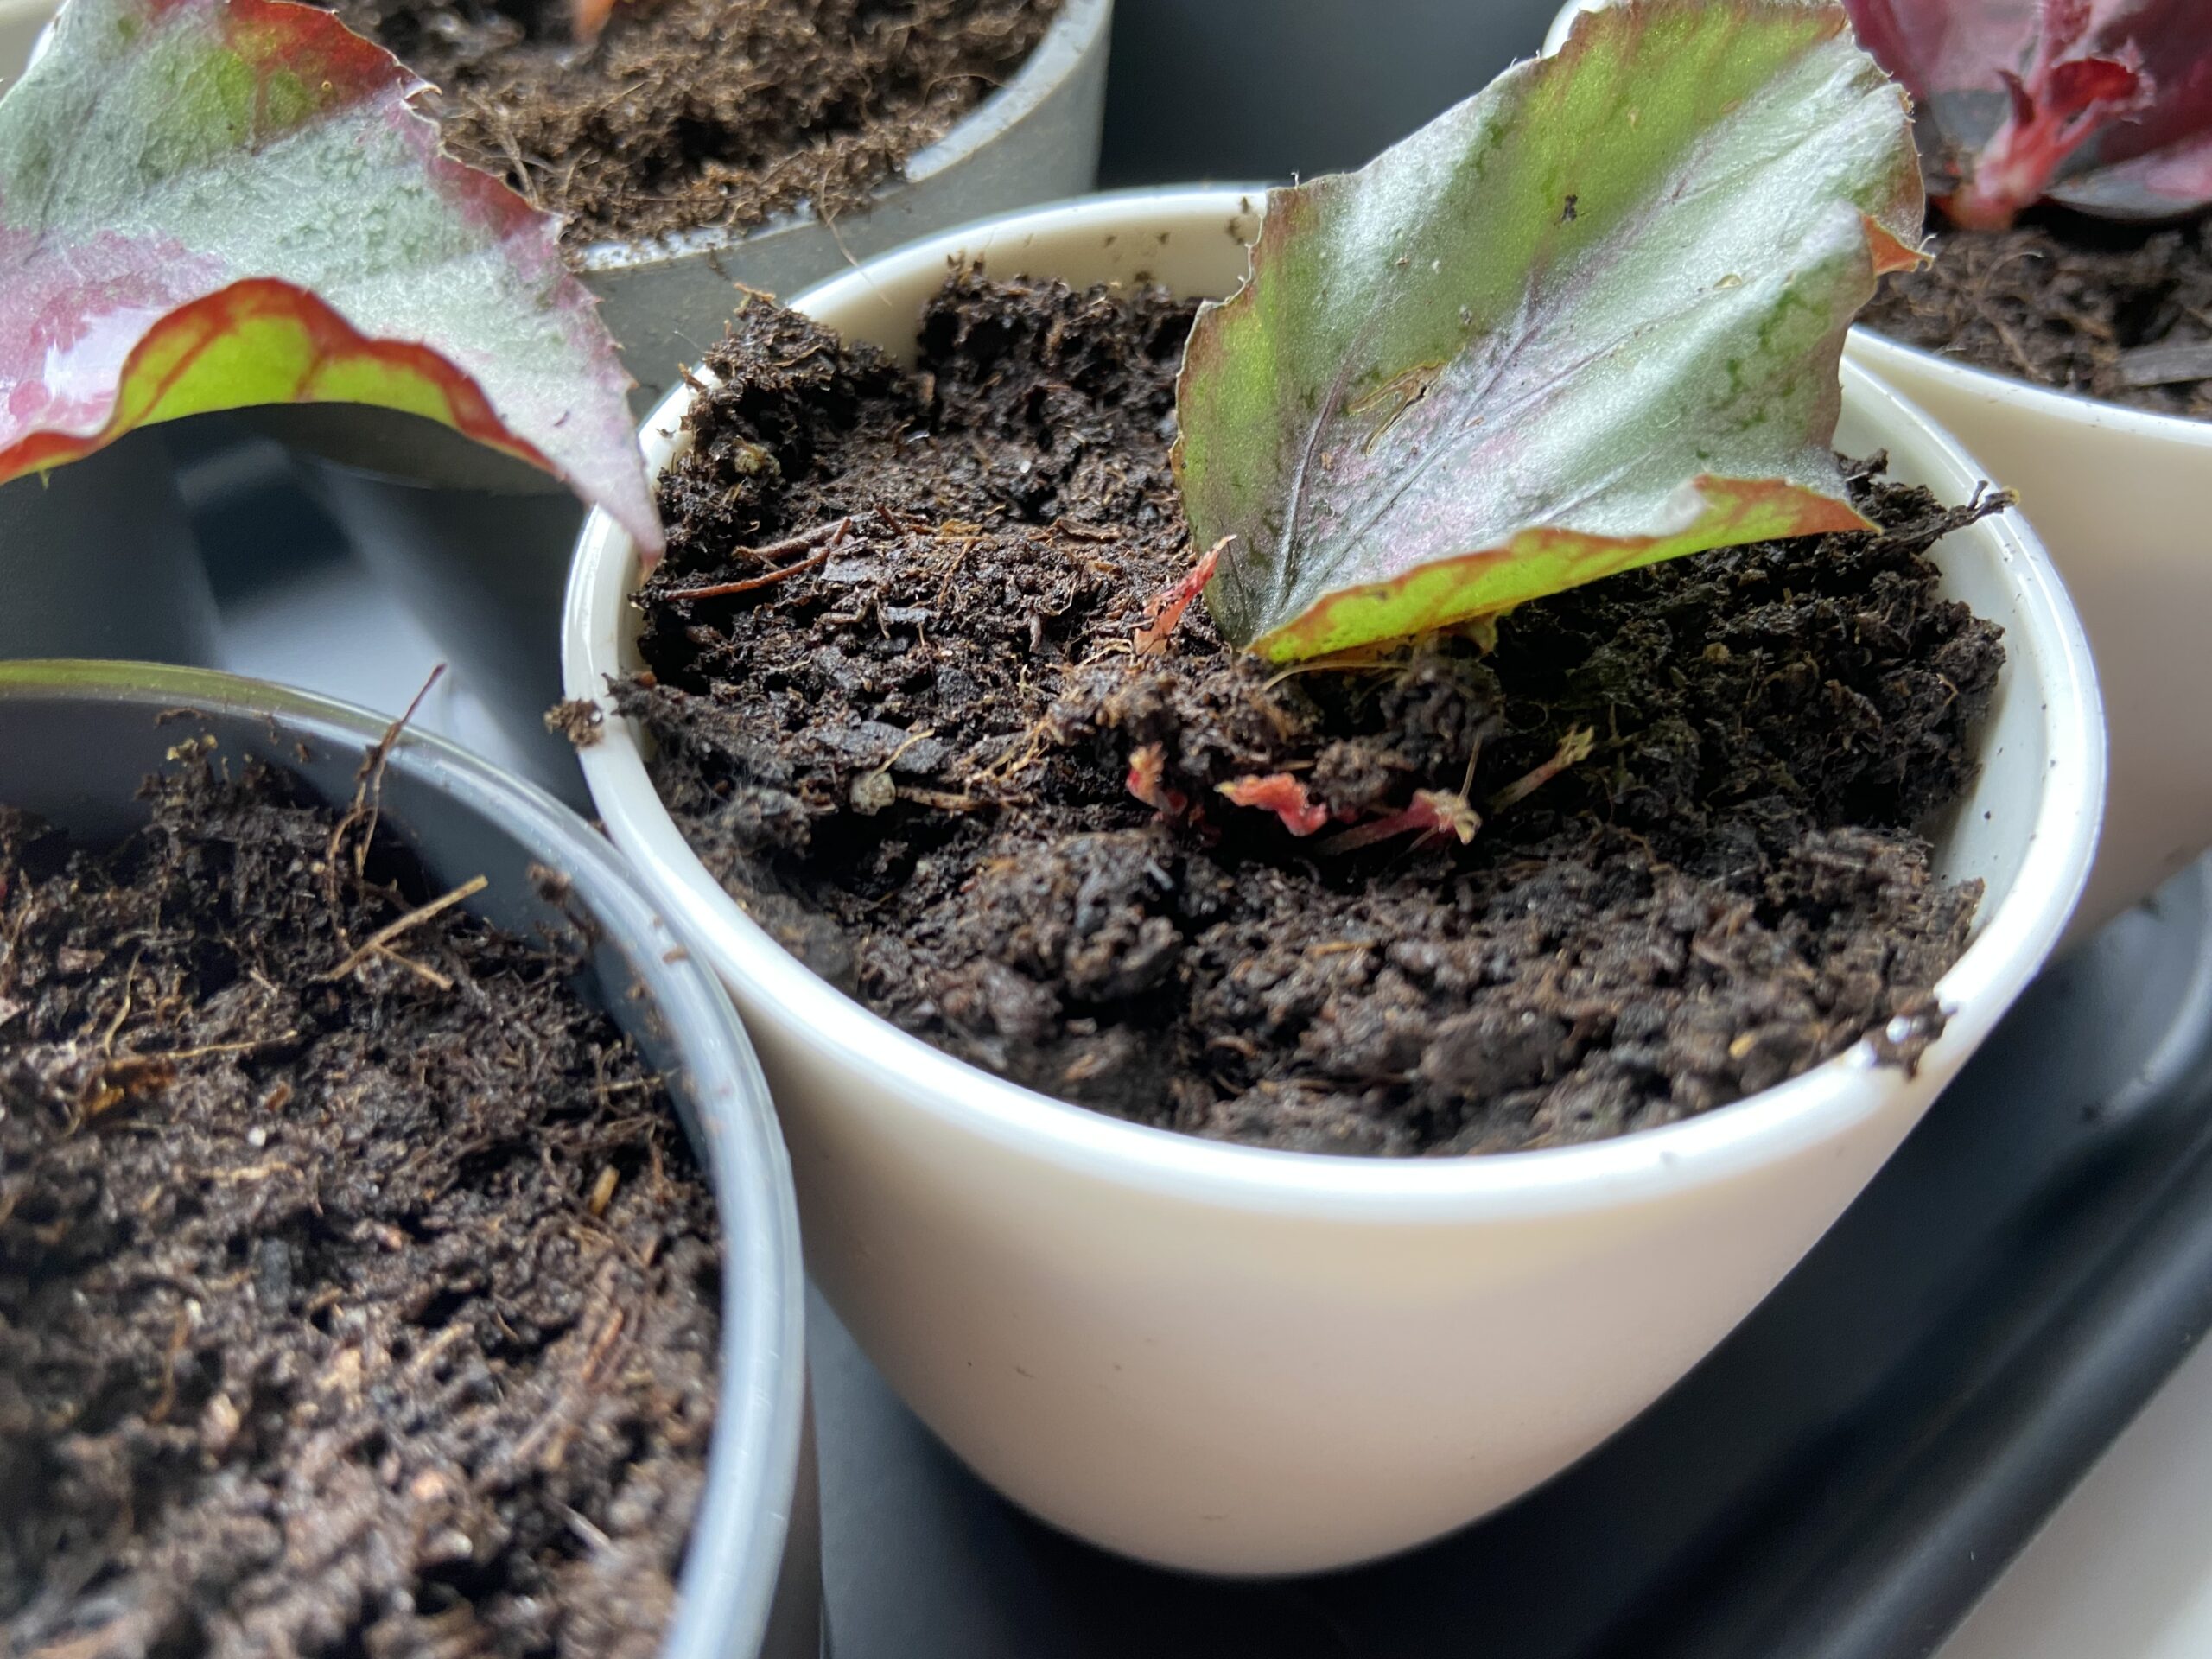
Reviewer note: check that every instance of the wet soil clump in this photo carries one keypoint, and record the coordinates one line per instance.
(352, 1301)
(2062, 302)
(899, 713)
(686, 113)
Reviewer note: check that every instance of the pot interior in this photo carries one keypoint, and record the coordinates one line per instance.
(1196, 249)
(76, 741)
(78, 762)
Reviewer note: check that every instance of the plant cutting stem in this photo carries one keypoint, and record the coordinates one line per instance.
(1574, 748)
(1167, 610)
(1432, 812)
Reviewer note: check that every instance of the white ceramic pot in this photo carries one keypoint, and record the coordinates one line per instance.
(664, 298)
(77, 742)
(2123, 501)
(1247, 1360)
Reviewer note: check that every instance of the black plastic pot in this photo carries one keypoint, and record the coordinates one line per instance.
(76, 738)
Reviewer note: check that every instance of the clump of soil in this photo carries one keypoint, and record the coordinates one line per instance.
(686, 113)
(352, 1302)
(2067, 302)
(902, 731)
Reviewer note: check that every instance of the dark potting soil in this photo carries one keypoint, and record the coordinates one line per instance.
(904, 736)
(686, 113)
(364, 1310)
(2120, 313)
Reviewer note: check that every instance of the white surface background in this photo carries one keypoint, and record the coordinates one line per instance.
(2123, 1570)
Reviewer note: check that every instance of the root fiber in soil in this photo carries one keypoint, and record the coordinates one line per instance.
(899, 713)
(352, 1301)
(686, 113)
(2107, 311)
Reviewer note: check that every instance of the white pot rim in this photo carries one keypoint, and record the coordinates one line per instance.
(1067, 40)
(1880, 351)
(2011, 939)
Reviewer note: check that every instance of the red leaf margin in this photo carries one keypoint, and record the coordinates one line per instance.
(344, 71)
(187, 332)
(1779, 508)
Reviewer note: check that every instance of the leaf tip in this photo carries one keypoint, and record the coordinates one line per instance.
(1282, 794)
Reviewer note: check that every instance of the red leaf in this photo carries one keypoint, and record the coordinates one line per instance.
(1435, 397)
(1282, 794)
(1168, 609)
(1147, 782)
(2105, 105)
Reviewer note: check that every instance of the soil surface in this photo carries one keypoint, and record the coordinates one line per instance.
(2068, 303)
(361, 1311)
(686, 113)
(902, 729)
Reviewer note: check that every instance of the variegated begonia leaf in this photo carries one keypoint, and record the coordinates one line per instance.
(206, 203)
(2105, 105)
(1589, 319)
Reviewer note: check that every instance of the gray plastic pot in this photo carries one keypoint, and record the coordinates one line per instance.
(1035, 139)
(476, 544)
(76, 738)
(97, 559)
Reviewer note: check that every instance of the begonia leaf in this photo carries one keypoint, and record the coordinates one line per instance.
(1588, 319)
(207, 204)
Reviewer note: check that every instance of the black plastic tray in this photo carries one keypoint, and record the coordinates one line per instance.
(1841, 1480)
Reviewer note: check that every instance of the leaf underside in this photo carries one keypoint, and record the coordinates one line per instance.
(207, 204)
(1589, 319)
